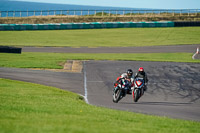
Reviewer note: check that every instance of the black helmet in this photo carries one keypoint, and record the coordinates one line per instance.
(129, 73)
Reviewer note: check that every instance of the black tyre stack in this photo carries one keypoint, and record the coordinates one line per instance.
(7, 49)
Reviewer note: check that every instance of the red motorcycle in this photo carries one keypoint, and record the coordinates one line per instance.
(138, 90)
(122, 88)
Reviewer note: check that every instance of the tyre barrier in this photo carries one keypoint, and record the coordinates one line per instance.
(92, 25)
(186, 24)
(7, 49)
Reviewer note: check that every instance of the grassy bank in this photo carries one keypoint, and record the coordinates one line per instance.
(52, 60)
(99, 18)
(27, 107)
(122, 37)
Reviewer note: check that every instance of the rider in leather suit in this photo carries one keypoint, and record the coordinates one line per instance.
(126, 76)
(143, 75)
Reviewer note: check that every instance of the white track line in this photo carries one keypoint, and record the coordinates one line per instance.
(85, 83)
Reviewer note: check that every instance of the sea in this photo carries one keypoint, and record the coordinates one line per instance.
(11, 8)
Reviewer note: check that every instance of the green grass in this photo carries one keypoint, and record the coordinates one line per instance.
(27, 107)
(51, 60)
(121, 37)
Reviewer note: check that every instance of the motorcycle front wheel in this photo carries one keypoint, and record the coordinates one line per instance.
(117, 95)
(136, 95)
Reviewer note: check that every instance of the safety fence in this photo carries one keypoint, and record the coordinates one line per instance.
(92, 25)
(180, 12)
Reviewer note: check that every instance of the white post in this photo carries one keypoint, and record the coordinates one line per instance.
(193, 57)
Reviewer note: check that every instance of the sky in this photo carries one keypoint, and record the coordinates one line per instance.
(156, 4)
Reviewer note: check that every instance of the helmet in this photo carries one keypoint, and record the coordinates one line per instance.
(129, 73)
(141, 69)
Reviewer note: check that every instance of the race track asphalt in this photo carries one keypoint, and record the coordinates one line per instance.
(146, 49)
(173, 89)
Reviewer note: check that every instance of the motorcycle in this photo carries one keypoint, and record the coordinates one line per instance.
(138, 90)
(122, 88)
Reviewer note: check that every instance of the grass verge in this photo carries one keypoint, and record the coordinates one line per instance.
(52, 60)
(121, 37)
(28, 107)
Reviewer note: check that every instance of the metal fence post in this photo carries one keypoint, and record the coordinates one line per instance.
(20, 14)
(0, 13)
(196, 12)
(188, 12)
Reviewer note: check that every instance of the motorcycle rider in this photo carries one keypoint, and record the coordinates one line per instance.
(126, 76)
(142, 74)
